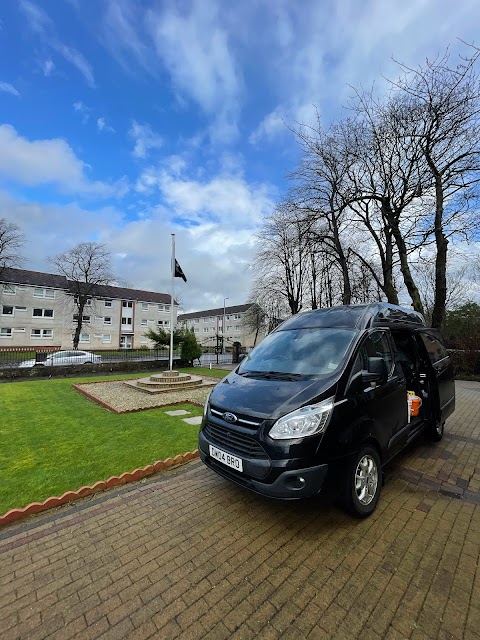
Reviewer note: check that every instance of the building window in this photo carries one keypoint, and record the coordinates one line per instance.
(20, 308)
(41, 333)
(143, 340)
(127, 305)
(41, 292)
(144, 306)
(166, 323)
(237, 316)
(84, 318)
(106, 338)
(7, 310)
(108, 303)
(167, 307)
(196, 330)
(206, 319)
(126, 321)
(160, 323)
(107, 320)
(9, 289)
(19, 330)
(197, 320)
(237, 327)
(144, 323)
(5, 332)
(42, 313)
(205, 329)
(84, 337)
(160, 307)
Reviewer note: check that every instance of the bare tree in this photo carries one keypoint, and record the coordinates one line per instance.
(446, 100)
(11, 242)
(255, 320)
(87, 268)
(281, 256)
(321, 194)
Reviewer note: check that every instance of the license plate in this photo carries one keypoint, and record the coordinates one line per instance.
(226, 458)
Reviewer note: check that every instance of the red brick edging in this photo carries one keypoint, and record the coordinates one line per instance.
(114, 481)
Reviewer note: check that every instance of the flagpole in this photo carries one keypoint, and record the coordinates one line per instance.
(171, 303)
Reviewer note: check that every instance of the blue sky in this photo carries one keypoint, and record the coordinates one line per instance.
(124, 121)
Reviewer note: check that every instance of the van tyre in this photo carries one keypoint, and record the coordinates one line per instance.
(363, 483)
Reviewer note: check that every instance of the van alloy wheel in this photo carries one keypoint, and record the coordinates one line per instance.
(366, 480)
(362, 482)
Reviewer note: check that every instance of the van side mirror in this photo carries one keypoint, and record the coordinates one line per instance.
(376, 372)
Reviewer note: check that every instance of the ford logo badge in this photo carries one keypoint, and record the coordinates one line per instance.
(229, 417)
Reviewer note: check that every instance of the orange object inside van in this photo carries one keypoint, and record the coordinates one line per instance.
(414, 403)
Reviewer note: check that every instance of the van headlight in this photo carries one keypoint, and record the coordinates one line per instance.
(306, 421)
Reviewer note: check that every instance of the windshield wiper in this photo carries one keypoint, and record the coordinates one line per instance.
(271, 375)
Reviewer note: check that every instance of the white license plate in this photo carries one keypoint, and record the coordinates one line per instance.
(226, 458)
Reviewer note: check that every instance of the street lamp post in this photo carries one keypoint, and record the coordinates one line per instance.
(223, 326)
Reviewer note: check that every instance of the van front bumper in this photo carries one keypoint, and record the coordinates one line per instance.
(283, 480)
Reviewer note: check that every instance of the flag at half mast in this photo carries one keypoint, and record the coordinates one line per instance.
(179, 272)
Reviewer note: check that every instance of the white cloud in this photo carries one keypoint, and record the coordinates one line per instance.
(82, 109)
(44, 162)
(270, 127)
(144, 139)
(41, 24)
(77, 59)
(47, 67)
(315, 53)
(52, 228)
(191, 42)
(103, 126)
(6, 87)
(196, 50)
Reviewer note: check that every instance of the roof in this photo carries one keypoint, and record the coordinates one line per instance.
(239, 308)
(33, 278)
(54, 281)
(356, 316)
(124, 293)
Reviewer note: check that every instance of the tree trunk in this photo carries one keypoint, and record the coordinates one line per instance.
(441, 242)
(402, 252)
(342, 261)
(389, 287)
(78, 328)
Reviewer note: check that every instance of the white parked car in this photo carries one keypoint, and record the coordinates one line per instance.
(64, 358)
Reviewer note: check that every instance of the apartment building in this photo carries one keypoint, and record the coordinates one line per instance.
(209, 324)
(38, 309)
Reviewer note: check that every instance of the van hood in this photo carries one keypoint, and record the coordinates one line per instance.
(269, 398)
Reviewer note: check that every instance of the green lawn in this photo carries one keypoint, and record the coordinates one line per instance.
(52, 439)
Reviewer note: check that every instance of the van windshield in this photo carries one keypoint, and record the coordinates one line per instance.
(299, 352)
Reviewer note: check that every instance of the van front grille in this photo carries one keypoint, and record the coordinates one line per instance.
(233, 441)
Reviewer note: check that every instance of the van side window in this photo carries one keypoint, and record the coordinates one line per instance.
(436, 350)
(376, 345)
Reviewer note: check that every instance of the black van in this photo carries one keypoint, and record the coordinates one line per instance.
(334, 392)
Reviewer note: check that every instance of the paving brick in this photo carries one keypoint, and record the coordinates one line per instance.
(188, 555)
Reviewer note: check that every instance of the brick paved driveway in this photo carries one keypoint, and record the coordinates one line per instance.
(187, 555)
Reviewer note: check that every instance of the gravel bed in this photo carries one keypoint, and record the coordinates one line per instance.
(124, 398)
